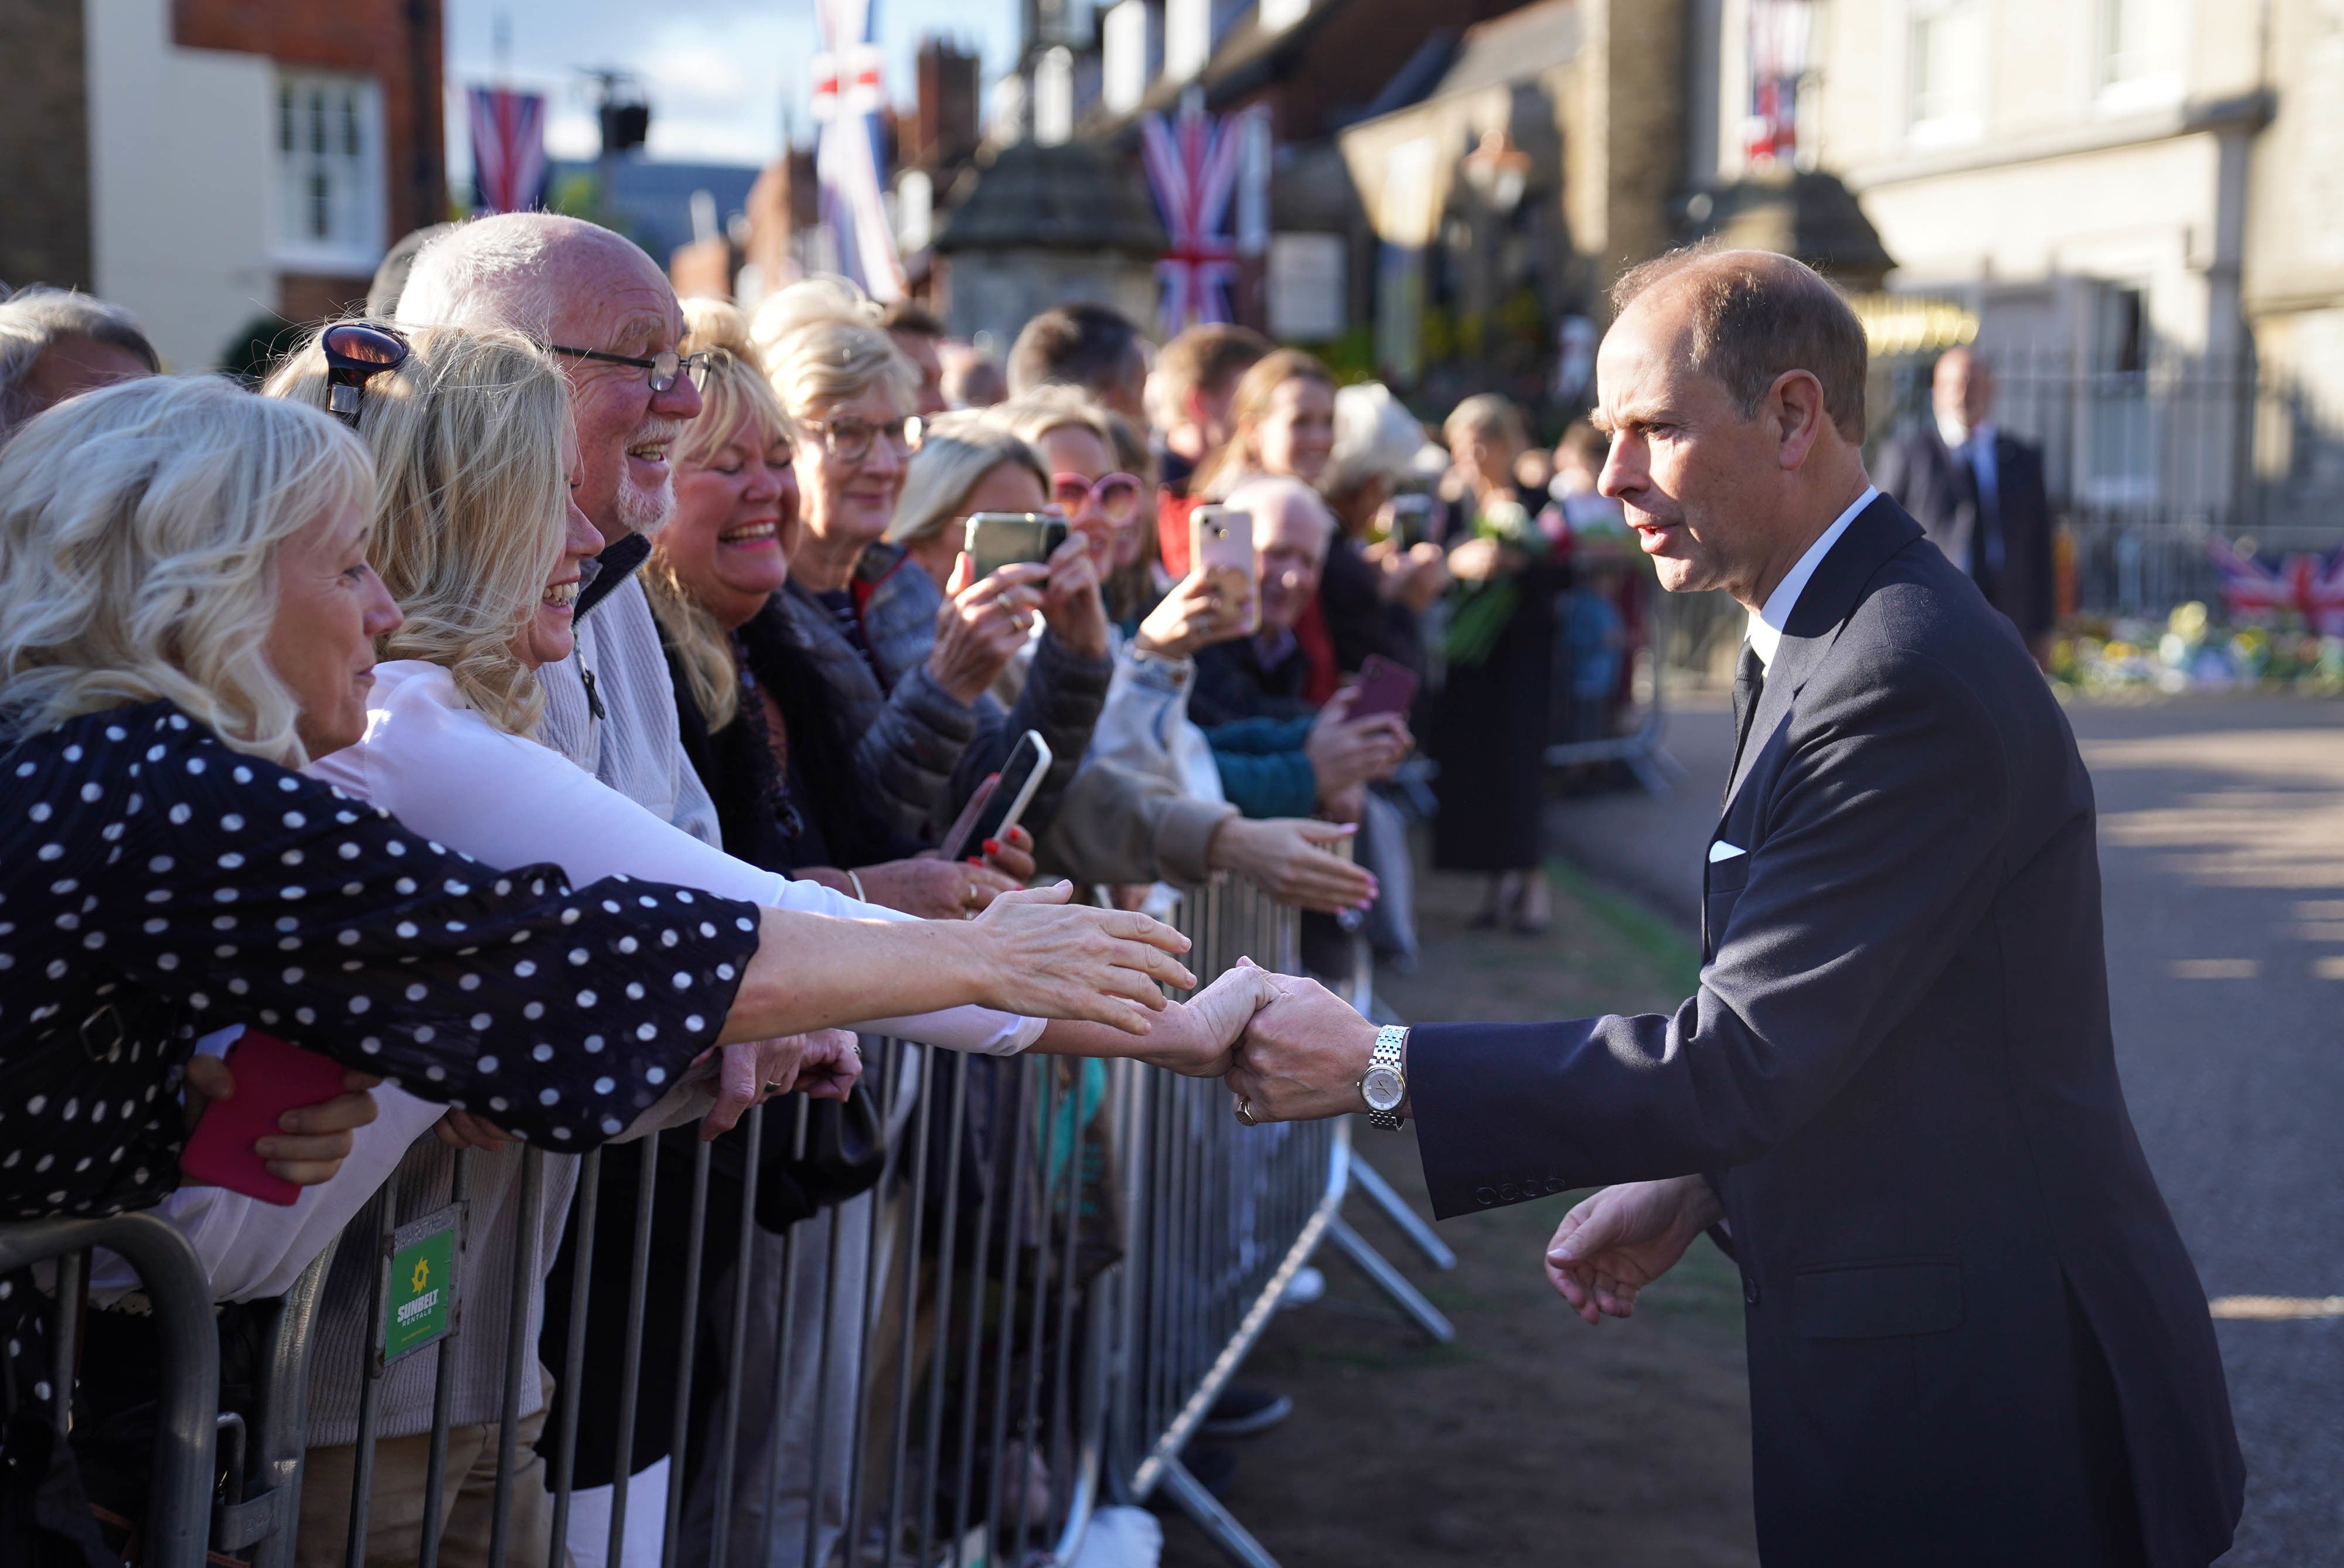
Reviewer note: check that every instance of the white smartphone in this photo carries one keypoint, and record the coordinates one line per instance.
(1021, 774)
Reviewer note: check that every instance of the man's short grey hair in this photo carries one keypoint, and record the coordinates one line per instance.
(492, 272)
(36, 318)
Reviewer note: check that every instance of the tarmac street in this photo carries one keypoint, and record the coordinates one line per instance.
(2222, 859)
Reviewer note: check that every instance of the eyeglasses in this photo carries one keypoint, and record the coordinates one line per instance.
(664, 366)
(849, 440)
(1115, 494)
(354, 354)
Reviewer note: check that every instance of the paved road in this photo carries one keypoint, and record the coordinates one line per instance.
(2222, 854)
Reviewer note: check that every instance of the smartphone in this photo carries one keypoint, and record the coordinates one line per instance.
(977, 801)
(1384, 687)
(999, 539)
(271, 1079)
(1020, 776)
(1220, 537)
(1411, 520)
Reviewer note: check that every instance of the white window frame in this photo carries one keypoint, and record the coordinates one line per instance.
(357, 185)
(1933, 126)
(2151, 78)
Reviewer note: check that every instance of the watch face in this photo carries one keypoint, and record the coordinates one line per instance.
(1382, 1089)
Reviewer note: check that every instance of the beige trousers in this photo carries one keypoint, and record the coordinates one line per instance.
(395, 1509)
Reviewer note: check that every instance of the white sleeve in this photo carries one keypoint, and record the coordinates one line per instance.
(460, 782)
(252, 1249)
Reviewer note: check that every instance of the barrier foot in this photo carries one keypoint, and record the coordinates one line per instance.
(1204, 1511)
(1370, 1180)
(1391, 1281)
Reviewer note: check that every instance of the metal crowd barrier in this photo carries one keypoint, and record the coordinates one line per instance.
(1058, 1269)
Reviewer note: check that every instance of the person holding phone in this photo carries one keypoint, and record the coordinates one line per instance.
(847, 391)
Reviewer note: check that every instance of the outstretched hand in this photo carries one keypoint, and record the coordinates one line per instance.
(1196, 1037)
(1614, 1244)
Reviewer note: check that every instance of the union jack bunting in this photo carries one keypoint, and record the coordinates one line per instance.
(509, 165)
(846, 103)
(1192, 172)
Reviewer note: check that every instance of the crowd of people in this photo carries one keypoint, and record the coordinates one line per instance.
(549, 699)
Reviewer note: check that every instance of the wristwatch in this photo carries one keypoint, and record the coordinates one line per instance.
(1384, 1087)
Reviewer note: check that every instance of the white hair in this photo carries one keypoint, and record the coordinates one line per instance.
(1276, 492)
(140, 529)
(33, 321)
(502, 271)
(824, 297)
(1375, 438)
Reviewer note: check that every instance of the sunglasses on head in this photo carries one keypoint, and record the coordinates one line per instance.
(1117, 494)
(356, 352)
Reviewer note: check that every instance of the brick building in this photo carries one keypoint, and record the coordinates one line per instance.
(206, 163)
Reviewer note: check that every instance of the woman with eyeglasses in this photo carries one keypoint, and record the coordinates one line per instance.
(927, 737)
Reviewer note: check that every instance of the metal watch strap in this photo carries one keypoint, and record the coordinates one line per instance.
(1391, 1051)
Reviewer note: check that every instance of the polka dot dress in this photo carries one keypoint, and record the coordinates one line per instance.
(156, 885)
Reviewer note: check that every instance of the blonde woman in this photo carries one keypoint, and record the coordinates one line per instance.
(925, 734)
(760, 725)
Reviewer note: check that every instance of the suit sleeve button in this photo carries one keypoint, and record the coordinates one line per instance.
(1510, 1193)
(1485, 1195)
(1750, 1289)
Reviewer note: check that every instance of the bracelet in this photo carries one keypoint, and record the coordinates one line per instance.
(857, 883)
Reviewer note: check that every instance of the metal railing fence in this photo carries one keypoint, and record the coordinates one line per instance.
(1032, 1307)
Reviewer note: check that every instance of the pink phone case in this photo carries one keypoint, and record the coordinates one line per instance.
(1385, 687)
(271, 1079)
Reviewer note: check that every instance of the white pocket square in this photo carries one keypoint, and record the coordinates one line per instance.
(1721, 850)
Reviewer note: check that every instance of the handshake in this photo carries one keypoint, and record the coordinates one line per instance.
(1288, 1048)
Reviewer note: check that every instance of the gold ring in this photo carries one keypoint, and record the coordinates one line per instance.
(1245, 1111)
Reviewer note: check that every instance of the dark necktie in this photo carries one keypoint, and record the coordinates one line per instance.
(1749, 683)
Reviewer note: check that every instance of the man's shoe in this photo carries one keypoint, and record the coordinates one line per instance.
(1244, 1411)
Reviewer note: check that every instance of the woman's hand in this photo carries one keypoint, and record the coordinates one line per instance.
(1479, 559)
(462, 1129)
(1414, 577)
(312, 1141)
(933, 888)
(1199, 1037)
(1203, 608)
(1038, 955)
(1285, 856)
(752, 1072)
(980, 626)
(1071, 605)
(1612, 1245)
(1012, 855)
(1344, 751)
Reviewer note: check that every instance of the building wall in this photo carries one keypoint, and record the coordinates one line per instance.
(44, 124)
(2050, 178)
(180, 156)
(997, 292)
(396, 42)
(2294, 284)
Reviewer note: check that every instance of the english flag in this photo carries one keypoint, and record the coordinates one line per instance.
(509, 165)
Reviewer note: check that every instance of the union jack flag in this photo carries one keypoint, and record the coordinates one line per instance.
(2254, 587)
(1192, 172)
(847, 161)
(508, 165)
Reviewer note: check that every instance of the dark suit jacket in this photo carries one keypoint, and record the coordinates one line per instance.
(1940, 492)
(1899, 1074)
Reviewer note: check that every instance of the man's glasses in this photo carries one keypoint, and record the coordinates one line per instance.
(850, 439)
(354, 354)
(664, 366)
(1117, 495)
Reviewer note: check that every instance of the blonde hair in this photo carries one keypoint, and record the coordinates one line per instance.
(471, 501)
(956, 451)
(822, 344)
(1032, 415)
(735, 390)
(139, 526)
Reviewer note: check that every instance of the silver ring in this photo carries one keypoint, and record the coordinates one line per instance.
(773, 1088)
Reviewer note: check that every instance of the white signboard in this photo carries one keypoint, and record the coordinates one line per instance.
(1309, 287)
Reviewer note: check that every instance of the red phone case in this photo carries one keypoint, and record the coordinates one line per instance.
(1385, 687)
(271, 1079)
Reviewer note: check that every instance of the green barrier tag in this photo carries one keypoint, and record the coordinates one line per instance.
(418, 1298)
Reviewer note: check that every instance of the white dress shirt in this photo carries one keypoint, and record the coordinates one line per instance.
(1766, 626)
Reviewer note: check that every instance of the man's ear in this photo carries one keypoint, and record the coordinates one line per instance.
(1796, 405)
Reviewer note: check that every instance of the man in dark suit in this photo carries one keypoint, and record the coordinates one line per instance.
(1977, 492)
(1974, 1333)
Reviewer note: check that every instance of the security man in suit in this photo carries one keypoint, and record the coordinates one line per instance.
(1977, 492)
(1974, 1333)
